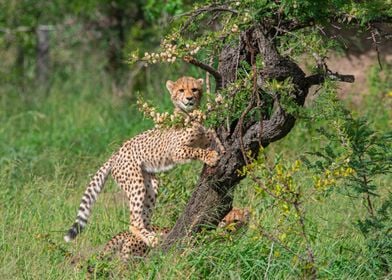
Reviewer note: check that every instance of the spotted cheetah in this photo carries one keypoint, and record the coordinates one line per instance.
(235, 219)
(128, 245)
(134, 166)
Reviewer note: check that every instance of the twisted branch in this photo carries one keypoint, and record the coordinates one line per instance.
(208, 68)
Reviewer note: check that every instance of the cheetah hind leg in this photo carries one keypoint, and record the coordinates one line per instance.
(148, 237)
(139, 214)
(151, 185)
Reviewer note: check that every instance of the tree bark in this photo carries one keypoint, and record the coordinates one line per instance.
(213, 196)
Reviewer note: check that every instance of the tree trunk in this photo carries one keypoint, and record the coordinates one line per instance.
(212, 199)
(43, 60)
(116, 38)
(20, 61)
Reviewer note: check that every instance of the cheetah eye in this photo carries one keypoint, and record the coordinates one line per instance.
(181, 90)
(194, 90)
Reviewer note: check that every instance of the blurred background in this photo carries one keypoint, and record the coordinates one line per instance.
(43, 43)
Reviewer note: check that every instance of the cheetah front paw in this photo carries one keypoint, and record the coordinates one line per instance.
(148, 237)
(151, 240)
(212, 158)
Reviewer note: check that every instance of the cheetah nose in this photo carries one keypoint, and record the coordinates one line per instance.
(189, 98)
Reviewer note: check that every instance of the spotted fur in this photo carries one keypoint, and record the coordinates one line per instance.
(235, 219)
(127, 245)
(134, 166)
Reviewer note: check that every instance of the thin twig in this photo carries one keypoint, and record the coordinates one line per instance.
(238, 129)
(208, 9)
(294, 24)
(269, 261)
(237, 57)
(374, 32)
(309, 250)
(261, 185)
(321, 64)
(318, 79)
(277, 241)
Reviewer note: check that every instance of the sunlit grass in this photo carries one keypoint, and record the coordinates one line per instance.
(51, 144)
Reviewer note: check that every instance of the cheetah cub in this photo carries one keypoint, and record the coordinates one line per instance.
(134, 166)
(127, 245)
(234, 220)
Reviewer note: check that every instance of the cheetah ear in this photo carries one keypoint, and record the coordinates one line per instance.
(169, 85)
(200, 81)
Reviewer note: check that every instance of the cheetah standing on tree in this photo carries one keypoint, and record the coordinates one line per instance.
(134, 166)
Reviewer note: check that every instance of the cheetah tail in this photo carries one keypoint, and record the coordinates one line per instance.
(89, 197)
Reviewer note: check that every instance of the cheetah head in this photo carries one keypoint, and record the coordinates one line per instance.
(186, 93)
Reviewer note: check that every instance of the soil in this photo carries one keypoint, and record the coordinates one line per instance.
(359, 57)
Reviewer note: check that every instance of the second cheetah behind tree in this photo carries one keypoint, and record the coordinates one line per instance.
(127, 245)
(134, 166)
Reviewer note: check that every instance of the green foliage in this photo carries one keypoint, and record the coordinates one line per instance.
(229, 103)
(368, 155)
(154, 8)
(186, 41)
(371, 155)
(288, 190)
(377, 229)
(353, 159)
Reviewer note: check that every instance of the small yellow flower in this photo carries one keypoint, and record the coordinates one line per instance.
(234, 28)
(283, 236)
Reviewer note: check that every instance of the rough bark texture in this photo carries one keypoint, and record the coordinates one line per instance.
(212, 199)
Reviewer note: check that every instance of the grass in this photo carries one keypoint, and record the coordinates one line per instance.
(50, 144)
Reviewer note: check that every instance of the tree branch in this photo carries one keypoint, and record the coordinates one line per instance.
(293, 24)
(208, 68)
(208, 9)
(375, 33)
(318, 79)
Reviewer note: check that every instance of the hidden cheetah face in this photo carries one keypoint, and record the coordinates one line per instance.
(186, 93)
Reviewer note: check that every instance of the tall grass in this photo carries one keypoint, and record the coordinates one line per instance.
(50, 145)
